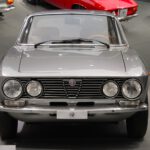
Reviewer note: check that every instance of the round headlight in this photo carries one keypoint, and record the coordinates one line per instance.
(34, 88)
(110, 89)
(12, 89)
(131, 89)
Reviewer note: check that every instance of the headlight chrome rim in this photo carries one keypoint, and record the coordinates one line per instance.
(135, 98)
(38, 95)
(111, 81)
(12, 98)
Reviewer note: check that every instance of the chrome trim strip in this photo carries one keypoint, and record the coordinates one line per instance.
(119, 37)
(119, 26)
(101, 109)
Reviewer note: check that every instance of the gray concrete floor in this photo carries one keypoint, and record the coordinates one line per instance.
(75, 136)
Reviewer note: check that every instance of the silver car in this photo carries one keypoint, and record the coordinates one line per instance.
(71, 66)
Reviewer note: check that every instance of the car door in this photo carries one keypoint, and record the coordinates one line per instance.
(57, 3)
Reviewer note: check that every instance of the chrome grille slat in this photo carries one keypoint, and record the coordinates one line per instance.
(58, 94)
(54, 92)
(51, 89)
(58, 88)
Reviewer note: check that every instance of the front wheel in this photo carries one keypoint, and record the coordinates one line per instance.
(137, 125)
(8, 126)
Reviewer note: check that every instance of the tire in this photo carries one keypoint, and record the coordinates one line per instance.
(8, 126)
(137, 125)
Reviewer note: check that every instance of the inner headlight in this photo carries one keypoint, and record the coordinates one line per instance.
(12, 89)
(110, 89)
(34, 88)
(131, 89)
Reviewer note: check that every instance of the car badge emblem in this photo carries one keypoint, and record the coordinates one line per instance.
(72, 82)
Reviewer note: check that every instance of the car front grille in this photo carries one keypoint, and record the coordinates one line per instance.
(72, 88)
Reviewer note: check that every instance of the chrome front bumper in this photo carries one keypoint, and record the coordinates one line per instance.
(7, 8)
(90, 110)
(127, 17)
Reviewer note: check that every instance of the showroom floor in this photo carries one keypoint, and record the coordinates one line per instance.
(73, 136)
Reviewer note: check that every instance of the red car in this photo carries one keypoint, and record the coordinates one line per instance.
(123, 9)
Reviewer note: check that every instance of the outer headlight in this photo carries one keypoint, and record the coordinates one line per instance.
(12, 89)
(110, 89)
(34, 88)
(131, 89)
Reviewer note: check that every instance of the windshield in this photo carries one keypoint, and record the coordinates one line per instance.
(61, 27)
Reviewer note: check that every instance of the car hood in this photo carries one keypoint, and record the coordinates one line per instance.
(113, 4)
(72, 62)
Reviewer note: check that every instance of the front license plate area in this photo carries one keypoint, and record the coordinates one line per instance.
(123, 12)
(69, 114)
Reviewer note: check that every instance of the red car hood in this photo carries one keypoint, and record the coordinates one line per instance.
(119, 4)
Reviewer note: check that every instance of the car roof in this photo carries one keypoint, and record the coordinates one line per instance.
(72, 12)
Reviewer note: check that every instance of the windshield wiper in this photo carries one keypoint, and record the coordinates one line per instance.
(78, 40)
(40, 43)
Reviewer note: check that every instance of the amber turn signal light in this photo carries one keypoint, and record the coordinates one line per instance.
(9, 2)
